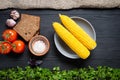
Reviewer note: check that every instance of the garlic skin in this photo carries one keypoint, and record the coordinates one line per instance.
(15, 14)
(10, 22)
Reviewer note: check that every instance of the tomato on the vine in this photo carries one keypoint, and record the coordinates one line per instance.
(5, 47)
(18, 46)
(10, 35)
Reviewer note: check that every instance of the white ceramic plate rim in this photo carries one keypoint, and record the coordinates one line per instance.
(62, 50)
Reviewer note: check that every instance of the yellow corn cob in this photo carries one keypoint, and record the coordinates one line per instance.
(71, 41)
(78, 32)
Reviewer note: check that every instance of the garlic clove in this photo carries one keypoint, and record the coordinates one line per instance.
(15, 14)
(10, 22)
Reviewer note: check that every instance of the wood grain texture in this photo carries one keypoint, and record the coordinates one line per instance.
(107, 26)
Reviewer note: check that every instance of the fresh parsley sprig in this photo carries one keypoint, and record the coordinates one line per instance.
(38, 73)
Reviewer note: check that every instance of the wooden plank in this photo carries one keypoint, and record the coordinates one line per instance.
(107, 27)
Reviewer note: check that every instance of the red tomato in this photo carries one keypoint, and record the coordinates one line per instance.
(5, 47)
(18, 46)
(10, 35)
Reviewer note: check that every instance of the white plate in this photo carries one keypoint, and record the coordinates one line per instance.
(63, 48)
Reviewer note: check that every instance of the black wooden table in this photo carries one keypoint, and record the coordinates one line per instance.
(107, 26)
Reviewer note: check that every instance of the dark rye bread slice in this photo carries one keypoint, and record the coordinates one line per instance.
(28, 26)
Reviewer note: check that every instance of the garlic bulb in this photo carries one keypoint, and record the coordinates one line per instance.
(15, 14)
(10, 22)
